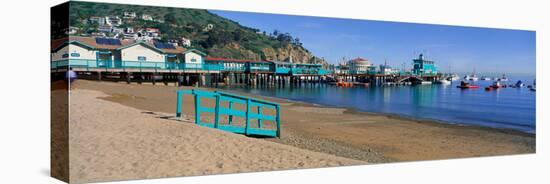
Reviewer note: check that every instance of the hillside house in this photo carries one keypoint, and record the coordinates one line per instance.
(98, 20)
(146, 17)
(129, 15)
(113, 21)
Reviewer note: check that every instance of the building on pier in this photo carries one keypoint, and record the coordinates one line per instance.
(115, 54)
(388, 70)
(422, 66)
(360, 66)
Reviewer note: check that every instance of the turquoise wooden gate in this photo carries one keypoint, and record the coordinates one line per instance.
(231, 112)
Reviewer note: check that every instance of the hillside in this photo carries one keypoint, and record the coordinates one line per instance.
(208, 32)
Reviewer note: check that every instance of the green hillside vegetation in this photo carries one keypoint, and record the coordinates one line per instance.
(227, 38)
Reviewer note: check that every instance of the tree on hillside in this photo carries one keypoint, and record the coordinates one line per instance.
(216, 37)
(171, 19)
(237, 35)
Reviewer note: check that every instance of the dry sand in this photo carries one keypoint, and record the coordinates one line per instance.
(109, 141)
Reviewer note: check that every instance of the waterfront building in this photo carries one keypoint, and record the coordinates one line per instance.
(231, 65)
(388, 70)
(194, 58)
(359, 66)
(105, 51)
(141, 51)
(341, 69)
(86, 48)
(422, 66)
(282, 67)
(115, 55)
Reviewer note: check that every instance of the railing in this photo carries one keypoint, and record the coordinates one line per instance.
(234, 68)
(138, 65)
(258, 68)
(230, 111)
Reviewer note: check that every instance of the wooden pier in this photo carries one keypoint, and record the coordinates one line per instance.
(215, 74)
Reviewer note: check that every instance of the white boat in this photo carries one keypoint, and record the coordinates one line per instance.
(454, 77)
(485, 78)
(443, 81)
(472, 77)
(503, 78)
(426, 82)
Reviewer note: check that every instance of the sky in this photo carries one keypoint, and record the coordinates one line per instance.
(453, 48)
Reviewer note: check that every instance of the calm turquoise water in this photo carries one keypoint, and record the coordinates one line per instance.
(512, 108)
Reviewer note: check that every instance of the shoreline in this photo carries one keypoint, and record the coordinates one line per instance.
(392, 115)
(344, 132)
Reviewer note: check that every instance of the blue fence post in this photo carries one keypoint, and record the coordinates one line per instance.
(247, 126)
(217, 112)
(278, 119)
(259, 116)
(197, 109)
(230, 120)
(178, 103)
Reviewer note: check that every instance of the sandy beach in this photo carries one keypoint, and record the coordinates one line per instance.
(109, 141)
(124, 131)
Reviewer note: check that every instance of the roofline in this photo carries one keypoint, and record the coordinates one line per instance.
(73, 42)
(194, 50)
(143, 44)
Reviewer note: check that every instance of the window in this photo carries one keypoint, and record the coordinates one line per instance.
(193, 60)
(65, 55)
(141, 58)
(75, 54)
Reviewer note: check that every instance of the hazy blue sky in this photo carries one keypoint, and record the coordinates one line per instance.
(463, 48)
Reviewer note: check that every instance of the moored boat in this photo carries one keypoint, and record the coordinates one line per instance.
(485, 78)
(471, 77)
(466, 85)
(503, 78)
(519, 84)
(454, 77)
(443, 81)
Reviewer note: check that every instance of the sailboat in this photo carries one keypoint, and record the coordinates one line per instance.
(472, 77)
(452, 76)
(503, 78)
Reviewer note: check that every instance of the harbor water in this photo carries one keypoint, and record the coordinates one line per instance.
(509, 108)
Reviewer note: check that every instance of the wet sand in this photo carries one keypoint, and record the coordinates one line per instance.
(339, 132)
